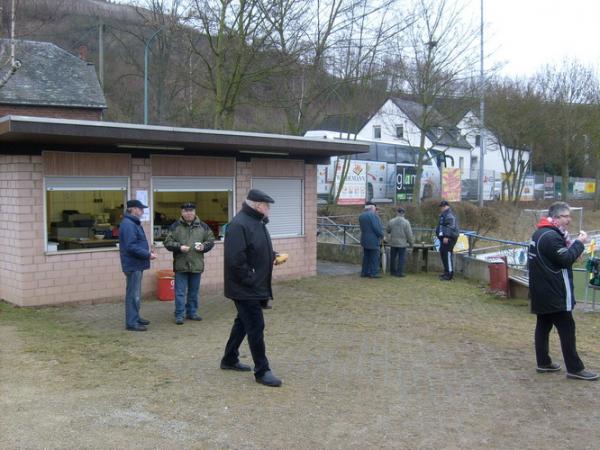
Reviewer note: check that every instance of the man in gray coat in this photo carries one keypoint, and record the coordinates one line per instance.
(401, 237)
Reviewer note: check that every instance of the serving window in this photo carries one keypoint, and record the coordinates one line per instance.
(84, 212)
(286, 217)
(213, 197)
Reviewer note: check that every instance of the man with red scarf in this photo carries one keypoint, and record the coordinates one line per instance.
(551, 257)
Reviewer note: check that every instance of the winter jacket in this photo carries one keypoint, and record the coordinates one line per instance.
(550, 270)
(400, 232)
(182, 233)
(249, 257)
(448, 225)
(371, 230)
(133, 246)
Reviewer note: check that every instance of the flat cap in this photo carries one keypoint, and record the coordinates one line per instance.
(444, 203)
(188, 205)
(135, 204)
(401, 210)
(256, 195)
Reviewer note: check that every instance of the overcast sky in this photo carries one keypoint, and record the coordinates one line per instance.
(526, 34)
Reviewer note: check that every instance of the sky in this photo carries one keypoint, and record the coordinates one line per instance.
(527, 34)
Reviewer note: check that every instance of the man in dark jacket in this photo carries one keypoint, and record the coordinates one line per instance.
(135, 258)
(249, 259)
(189, 239)
(551, 256)
(447, 232)
(371, 234)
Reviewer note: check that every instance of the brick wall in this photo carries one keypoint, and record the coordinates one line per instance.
(29, 277)
(51, 111)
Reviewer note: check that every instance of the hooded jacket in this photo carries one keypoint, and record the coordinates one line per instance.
(133, 246)
(550, 262)
(182, 233)
(447, 226)
(249, 257)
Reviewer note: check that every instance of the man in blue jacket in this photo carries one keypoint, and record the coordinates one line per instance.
(135, 258)
(371, 234)
(550, 258)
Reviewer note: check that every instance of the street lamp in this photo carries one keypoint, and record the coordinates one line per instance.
(146, 48)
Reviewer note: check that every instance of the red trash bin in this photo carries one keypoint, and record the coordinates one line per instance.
(499, 275)
(165, 286)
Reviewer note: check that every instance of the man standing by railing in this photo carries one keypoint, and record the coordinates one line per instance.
(447, 232)
(551, 257)
(371, 234)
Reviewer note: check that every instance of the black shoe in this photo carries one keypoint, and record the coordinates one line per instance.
(401, 275)
(268, 379)
(143, 321)
(195, 317)
(583, 375)
(443, 276)
(238, 366)
(179, 321)
(375, 276)
(552, 367)
(137, 328)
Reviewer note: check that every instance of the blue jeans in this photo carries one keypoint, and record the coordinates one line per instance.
(397, 258)
(186, 283)
(133, 294)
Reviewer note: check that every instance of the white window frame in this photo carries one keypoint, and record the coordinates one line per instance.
(401, 127)
(302, 205)
(73, 183)
(376, 130)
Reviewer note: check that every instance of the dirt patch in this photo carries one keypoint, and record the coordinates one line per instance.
(366, 363)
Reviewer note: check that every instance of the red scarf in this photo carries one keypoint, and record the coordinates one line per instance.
(550, 222)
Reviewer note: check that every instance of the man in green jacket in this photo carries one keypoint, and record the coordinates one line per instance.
(401, 236)
(189, 239)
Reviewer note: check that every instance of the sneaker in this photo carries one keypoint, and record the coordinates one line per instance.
(552, 367)
(583, 375)
(179, 320)
(195, 317)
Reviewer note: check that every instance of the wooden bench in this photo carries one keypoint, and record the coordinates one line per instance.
(518, 286)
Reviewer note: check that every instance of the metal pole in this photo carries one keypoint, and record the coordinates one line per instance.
(146, 48)
(101, 53)
(481, 114)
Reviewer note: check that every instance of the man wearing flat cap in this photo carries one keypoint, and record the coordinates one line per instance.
(401, 237)
(249, 259)
(447, 232)
(189, 239)
(371, 234)
(135, 258)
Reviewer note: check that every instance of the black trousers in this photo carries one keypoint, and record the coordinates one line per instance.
(249, 321)
(397, 259)
(565, 325)
(447, 256)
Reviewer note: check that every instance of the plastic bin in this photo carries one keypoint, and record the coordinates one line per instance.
(499, 275)
(165, 285)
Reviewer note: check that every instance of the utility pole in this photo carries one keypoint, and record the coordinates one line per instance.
(146, 49)
(101, 53)
(481, 114)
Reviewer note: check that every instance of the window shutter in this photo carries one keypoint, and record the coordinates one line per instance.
(86, 183)
(192, 184)
(286, 217)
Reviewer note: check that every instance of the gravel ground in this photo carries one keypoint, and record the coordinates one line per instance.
(389, 363)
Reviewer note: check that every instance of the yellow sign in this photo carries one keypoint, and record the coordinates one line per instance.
(462, 243)
(590, 187)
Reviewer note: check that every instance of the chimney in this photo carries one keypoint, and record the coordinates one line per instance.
(83, 52)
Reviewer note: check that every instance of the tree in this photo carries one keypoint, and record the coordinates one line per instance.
(437, 54)
(513, 111)
(9, 64)
(565, 89)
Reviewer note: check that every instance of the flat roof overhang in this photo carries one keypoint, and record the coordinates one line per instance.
(40, 133)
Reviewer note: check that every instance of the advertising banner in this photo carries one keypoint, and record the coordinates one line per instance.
(527, 194)
(405, 181)
(549, 188)
(323, 184)
(451, 184)
(376, 180)
(354, 190)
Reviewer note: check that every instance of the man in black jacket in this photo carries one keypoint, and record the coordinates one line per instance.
(447, 232)
(551, 256)
(249, 259)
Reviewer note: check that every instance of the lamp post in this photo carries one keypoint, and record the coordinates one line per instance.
(481, 114)
(146, 49)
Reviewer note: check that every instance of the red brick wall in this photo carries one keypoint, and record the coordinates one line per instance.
(51, 111)
(29, 277)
